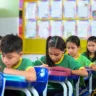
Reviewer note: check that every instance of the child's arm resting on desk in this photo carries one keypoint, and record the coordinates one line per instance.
(93, 66)
(80, 72)
(29, 74)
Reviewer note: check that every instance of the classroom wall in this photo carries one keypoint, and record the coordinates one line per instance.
(32, 57)
(9, 21)
(9, 16)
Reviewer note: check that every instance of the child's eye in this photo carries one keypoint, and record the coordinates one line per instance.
(56, 54)
(68, 47)
(50, 54)
(9, 57)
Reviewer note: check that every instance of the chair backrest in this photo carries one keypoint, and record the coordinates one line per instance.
(2, 84)
(42, 79)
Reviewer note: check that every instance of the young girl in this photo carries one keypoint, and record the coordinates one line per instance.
(91, 55)
(91, 49)
(73, 46)
(55, 56)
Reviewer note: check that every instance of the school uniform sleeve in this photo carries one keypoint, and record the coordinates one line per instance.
(26, 64)
(87, 62)
(73, 64)
(38, 62)
(2, 65)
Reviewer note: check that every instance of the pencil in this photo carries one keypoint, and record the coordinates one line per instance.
(39, 60)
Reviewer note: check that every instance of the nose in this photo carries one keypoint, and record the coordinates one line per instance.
(69, 51)
(53, 58)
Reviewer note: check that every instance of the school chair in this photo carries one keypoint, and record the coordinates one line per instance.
(14, 82)
(2, 84)
(42, 81)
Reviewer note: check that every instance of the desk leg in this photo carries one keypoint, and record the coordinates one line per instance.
(34, 91)
(2, 94)
(63, 85)
(70, 88)
(77, 87)
(25, 90)
(64, 88)
(45, 90)
(90, 84)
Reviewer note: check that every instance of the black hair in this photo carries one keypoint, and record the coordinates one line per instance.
(93, 39)
(1, 37)
(0, 42)
(57, 42)
(11, 43)
(73, 39)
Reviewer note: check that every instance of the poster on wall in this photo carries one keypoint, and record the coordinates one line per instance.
(93, 9)
(83, 8)
(43, 29)
(43, 9)
(93, 28)
(69, 9)
(56, 9)
(30, 11)
(30, 30)
(69, 28)
(83, 28)
(56, 28)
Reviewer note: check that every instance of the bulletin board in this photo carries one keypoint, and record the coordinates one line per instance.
(43, 18)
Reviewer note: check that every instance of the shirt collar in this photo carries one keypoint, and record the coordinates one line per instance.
(60, 60)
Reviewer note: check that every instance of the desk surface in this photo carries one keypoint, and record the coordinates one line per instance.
(16, 81)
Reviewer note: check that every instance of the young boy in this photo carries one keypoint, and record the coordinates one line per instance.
(11, 61)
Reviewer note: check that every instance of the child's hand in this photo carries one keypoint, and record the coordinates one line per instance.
(44, 65)
(93, 67)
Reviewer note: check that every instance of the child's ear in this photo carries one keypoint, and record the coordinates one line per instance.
(79, 48)
(21, 53)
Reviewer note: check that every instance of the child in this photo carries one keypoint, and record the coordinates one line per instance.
(73, 46)
(91, 55)
(55, 56)
(11, 60)
(91, 49)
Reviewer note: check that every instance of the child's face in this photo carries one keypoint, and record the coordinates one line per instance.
(91, 46)
(11, 59)
(72, 49)
(55, 54)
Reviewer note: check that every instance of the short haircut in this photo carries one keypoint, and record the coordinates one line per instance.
(11, 43)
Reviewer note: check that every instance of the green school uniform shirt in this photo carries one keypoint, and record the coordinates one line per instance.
(66, 61)
(83, 61)
(23, 64)
(90, 58)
